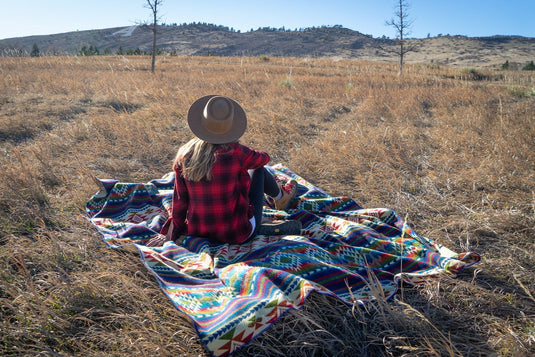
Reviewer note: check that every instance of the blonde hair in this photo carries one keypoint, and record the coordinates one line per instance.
(196, 159)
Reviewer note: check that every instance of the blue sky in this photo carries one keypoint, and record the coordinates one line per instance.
(433, 17)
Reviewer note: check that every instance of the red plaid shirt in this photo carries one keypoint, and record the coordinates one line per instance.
(218, 209)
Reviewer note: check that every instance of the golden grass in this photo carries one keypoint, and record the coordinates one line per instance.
(451, 151)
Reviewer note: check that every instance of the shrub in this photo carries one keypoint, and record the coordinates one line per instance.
(135, 52)
(286, 83)
(471, 74)
(522, 92)
(89, 51)
(529, 67)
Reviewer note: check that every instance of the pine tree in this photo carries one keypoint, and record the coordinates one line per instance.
(35, 51)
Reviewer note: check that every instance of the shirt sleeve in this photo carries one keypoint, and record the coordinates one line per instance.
(253, 159)
(179, 206)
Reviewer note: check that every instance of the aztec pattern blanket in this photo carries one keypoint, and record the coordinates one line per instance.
(234, 292)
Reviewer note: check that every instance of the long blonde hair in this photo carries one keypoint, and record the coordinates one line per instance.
(196, 159)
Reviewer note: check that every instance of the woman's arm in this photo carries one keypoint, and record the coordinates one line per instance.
(179, 207)
(176, 223)
(253, 159)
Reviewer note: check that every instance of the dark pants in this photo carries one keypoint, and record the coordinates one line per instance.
(262, 181)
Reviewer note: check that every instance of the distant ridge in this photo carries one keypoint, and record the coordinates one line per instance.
(201, 39)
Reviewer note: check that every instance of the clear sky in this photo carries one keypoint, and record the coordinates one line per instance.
(455, 17)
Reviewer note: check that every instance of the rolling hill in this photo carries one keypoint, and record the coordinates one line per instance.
(331, 42)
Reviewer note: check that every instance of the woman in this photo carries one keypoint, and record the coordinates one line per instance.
(219, 183)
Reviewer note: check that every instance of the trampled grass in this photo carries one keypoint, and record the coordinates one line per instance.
(452, 152)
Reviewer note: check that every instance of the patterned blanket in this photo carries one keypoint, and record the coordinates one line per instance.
(234, 292)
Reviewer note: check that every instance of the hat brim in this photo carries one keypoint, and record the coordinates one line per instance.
(195, 115)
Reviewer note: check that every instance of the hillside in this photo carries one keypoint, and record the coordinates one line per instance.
(327, 42)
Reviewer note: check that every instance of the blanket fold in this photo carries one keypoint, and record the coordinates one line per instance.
(234, 292)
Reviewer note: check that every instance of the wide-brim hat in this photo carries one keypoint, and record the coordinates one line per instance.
(217, 119)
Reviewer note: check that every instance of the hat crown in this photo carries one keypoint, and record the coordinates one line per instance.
(218, 115)
(218, 108)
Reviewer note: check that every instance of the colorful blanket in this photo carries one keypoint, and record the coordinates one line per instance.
(234, 292)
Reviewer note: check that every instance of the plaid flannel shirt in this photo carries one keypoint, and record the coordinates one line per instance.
(218, 209)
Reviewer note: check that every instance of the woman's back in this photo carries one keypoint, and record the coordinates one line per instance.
(219, 208)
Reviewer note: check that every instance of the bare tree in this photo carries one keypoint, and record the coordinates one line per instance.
(402, 24)
(153, 5)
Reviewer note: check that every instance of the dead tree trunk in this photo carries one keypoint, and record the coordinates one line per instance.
(153, 5)
(402, 25)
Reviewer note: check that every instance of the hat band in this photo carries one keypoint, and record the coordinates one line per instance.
(215, 126)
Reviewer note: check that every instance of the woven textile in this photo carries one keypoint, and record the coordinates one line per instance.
(234, 292)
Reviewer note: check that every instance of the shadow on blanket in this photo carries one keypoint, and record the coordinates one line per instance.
(234, 292)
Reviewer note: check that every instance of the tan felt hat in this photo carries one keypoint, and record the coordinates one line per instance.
(217, 119)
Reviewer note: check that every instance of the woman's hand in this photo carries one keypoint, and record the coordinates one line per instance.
(157, 241)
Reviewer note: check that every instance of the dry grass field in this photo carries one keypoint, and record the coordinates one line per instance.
(452, 150)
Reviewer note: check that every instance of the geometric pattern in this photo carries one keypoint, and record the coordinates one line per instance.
(232, 293)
